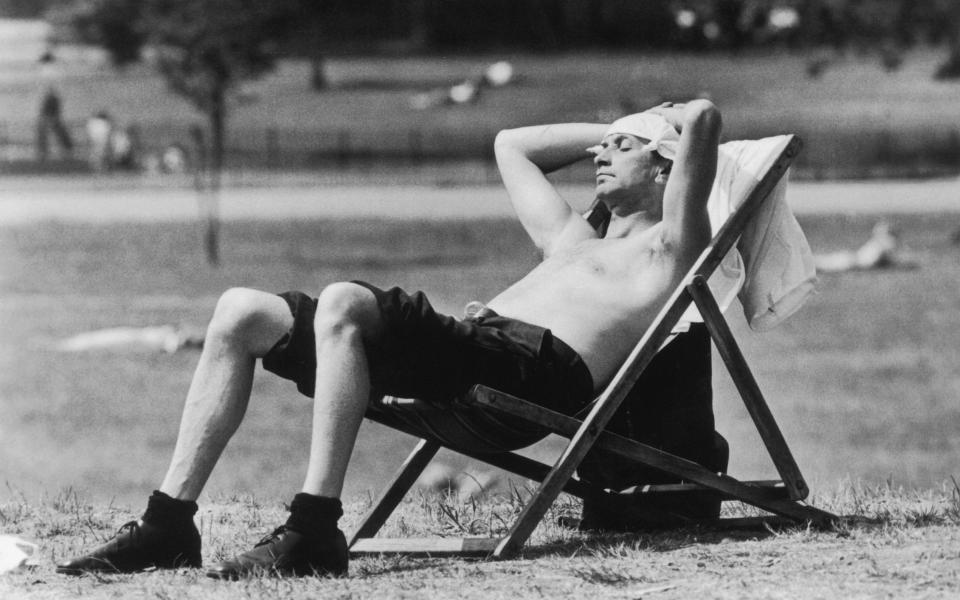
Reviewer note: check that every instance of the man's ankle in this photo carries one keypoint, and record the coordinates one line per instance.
(162, 510)
(311, 515)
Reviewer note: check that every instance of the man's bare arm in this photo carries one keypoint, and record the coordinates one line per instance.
(685, 220)
(524, 157)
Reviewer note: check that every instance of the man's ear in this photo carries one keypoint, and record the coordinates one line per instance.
(664, 172)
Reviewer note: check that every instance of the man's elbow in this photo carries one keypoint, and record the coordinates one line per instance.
(507, 144)
(703, 116)
(505, 138)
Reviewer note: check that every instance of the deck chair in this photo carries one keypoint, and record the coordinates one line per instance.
(781, 498)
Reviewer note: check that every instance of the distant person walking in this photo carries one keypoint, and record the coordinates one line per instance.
(50, 122)
(99, 129)
(124, 143)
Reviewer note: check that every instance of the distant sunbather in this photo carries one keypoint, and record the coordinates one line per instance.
(166, 338)
(554, 337)
(881, 251)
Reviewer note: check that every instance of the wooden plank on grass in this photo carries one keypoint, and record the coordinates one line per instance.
(426, 546)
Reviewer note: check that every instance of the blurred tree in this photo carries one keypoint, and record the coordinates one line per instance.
(885, 27)
(420, 13)
(950, 68)
(320, 27)
(22, 9)
(203, 48)
(112, 24)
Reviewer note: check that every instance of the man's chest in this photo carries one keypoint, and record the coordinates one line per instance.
(638, 257)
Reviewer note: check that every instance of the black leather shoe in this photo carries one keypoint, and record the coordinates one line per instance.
(287, 552)
(139, 545)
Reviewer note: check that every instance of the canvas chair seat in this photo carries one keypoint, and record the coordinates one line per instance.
(589, 434)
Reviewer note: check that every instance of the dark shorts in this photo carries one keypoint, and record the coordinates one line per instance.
(436, 358)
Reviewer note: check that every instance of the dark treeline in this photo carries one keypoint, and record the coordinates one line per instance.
(352, 25)
(680, 24)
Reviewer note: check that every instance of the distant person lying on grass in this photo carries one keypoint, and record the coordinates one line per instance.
(881, 251)
(555, 337)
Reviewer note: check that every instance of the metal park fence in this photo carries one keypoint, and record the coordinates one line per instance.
(448, 157)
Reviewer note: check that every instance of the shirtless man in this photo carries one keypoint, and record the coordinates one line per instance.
(554, 337)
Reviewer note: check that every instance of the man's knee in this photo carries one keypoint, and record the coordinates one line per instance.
(343, 307)
(239, 312)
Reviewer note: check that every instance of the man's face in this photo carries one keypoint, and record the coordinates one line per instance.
(625, 167)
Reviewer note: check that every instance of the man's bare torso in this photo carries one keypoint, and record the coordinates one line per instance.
(598, 295)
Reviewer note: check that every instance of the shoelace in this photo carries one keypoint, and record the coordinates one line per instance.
(132, 526)
(269, 538)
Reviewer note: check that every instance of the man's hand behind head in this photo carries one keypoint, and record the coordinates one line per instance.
(673, 113)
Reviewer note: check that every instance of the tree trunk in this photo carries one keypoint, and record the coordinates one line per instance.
(210, 197)
(318, 75)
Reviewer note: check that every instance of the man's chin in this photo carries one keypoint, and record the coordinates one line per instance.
(605, 192)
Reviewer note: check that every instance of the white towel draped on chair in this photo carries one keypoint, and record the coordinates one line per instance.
(772, 269)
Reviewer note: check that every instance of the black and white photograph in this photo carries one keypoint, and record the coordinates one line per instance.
(611, 299)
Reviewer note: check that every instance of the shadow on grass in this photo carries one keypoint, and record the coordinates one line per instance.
(604, 545)
(597, 545)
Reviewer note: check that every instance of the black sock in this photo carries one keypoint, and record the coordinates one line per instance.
(164, 510)
(314, 514)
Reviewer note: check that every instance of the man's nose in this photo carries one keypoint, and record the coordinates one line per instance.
(601, 157)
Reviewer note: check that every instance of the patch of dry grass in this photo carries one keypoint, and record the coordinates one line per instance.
(903, 543)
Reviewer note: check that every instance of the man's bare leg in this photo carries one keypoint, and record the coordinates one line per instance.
(245, 326)
(346, 315)
(310, 541)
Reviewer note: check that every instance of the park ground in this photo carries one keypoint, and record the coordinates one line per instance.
(904, 544)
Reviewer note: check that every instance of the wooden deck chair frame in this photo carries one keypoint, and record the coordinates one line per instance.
(783, 497)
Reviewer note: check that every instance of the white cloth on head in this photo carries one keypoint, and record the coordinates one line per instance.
(649, 126)
(771, 269)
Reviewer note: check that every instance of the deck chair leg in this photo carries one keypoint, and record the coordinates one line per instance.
(536, 508)
(748, 388)
(560, 475)
(406, 476)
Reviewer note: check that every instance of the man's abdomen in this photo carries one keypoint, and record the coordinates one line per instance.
(601, 318)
